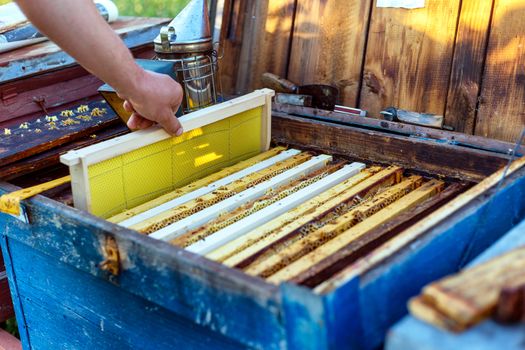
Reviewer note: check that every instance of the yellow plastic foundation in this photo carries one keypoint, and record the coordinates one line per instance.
(133, 178)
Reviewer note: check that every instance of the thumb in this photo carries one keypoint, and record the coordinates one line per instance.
(171, 124)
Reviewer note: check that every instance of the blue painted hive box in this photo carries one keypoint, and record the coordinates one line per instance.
(161, 296)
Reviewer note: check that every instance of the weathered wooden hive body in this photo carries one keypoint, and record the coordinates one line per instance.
(81, 281)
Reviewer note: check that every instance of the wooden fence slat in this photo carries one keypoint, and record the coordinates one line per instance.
(231, 43)
(328, 44)
(409, 57)
(262, 45)
(501, 112)
(467, 67)
(266, 47)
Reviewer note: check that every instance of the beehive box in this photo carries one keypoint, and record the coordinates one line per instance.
(162, 296)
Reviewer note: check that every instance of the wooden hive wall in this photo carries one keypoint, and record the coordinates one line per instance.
(463, 59)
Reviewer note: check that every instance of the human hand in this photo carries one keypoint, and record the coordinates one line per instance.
(153, 98)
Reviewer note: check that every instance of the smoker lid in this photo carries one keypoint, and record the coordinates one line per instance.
(188, 32)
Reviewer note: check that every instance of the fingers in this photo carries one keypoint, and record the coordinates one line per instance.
(128, 107)
(137, 122)
(154, 100)
(171, 124)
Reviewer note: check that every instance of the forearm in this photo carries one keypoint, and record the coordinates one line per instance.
(77, 27)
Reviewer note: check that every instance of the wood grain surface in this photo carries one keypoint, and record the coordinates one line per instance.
(409, 57)
(467, 67)
(502, 101)
(329, 43)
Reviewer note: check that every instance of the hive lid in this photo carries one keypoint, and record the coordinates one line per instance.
(188, 32)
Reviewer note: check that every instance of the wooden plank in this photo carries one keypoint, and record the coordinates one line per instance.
(328, 45)
(502, 102)
(61, 94)
(409, 57)
(231, 43)
(200, 218)
(277, 238)
(472, 295)
(266, 230)
(368, 145)
(10, 203)
(182, 211)
(410, 333)
(206, 185)
(41, 135)
(405, 203)
(365, 244)
(468, 63)
(441, 136)
(51, 157)
(54, 89)
(315, 238)
(65, 314)
(265, 42)
(46, 56)
(263, 216)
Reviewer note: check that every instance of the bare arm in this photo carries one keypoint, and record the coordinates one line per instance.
(77, 27)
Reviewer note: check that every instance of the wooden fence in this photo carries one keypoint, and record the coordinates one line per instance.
(461, 58)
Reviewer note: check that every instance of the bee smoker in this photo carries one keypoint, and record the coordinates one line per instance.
(184, 51)
(186, 42)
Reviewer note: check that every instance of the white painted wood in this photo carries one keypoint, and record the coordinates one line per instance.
(80, 186)
(210, 188)
(266, 124)
(202, 217)
(130, 142)
(264, 215)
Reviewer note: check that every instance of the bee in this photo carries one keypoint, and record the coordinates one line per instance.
(52, 125)
(24, 125)
(69, 121)
(67, 113)
(98, 112)
(85, 118)
(82, 109)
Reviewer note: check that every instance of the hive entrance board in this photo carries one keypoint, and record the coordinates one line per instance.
(127, 171)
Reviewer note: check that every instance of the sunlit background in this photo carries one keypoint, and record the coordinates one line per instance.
(145, 8)
(150, 8)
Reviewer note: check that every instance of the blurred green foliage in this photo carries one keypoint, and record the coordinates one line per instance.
(145, 8)
(150, 8)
